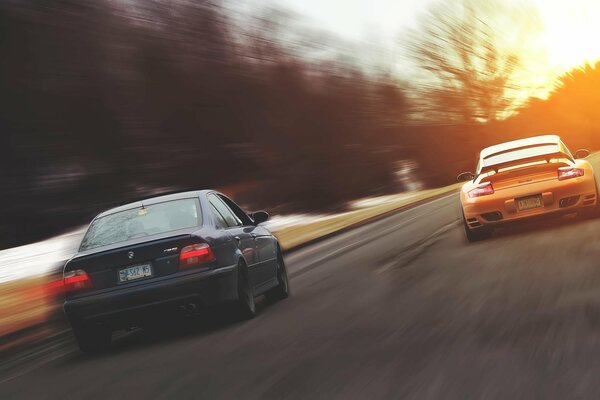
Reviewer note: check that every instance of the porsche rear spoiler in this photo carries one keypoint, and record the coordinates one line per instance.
(519, 156)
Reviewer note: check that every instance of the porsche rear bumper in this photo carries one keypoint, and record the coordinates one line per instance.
(557, 197)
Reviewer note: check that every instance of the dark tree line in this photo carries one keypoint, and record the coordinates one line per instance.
(103, 102)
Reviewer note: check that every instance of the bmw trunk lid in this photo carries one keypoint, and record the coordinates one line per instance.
(133, 263)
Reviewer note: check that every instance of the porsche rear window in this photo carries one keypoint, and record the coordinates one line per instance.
(146, 221)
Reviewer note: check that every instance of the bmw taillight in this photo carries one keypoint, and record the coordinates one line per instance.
(196, 254)
(569, 172)
(483, 189)
(76, 280)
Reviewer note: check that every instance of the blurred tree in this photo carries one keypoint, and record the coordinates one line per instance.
(473, 77)
(571, 110)
(106, 101)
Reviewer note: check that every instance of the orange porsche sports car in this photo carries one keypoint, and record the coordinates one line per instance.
(522, 179)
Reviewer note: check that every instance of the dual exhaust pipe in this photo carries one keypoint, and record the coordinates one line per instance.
(188, 310)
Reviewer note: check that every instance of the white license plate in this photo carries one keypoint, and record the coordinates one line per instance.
(528, 203)
(135, 272)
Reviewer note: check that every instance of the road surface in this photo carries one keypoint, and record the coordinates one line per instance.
(400, 308)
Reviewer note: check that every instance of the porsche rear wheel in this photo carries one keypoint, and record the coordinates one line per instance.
(478, 234)
(592, 211)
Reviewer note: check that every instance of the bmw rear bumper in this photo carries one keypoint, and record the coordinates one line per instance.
(127, 306)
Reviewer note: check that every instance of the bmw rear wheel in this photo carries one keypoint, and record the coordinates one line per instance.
(244, 306)
(282, 290)
(92, 339)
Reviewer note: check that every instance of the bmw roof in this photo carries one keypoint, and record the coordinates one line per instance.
(154, 200)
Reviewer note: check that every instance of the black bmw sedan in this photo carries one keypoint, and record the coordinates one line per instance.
(194, 248)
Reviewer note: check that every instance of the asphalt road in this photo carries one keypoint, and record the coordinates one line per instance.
(401, 308)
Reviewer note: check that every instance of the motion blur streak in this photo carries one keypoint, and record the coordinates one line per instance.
(91, 90)
(109, 101)
(384, 318)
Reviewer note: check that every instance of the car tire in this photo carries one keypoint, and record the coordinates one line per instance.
(591, 212)
(595, 210)
(476, 235)
(92, 339)
(244, 307)
(282, 290)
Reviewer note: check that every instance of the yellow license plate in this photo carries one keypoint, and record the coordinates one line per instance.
(528, 203)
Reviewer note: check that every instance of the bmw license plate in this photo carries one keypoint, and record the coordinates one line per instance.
(527, 203)
(135, 272)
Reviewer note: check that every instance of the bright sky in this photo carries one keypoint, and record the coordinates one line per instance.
(569, 34)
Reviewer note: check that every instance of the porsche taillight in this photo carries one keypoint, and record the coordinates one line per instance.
(569, 172)
(483, 189)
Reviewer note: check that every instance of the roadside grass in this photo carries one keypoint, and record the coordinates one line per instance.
(297, 235)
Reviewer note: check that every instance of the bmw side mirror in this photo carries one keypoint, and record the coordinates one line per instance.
(582, 153)
(259, 217)
(465, 176)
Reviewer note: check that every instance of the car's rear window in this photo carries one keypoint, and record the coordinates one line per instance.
(149, 220)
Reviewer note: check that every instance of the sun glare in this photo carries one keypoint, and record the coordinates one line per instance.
(558, 36)
(567, 38)
(567, 34)
(571, 32)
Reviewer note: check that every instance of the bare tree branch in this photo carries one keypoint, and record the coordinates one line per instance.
(474, 78)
